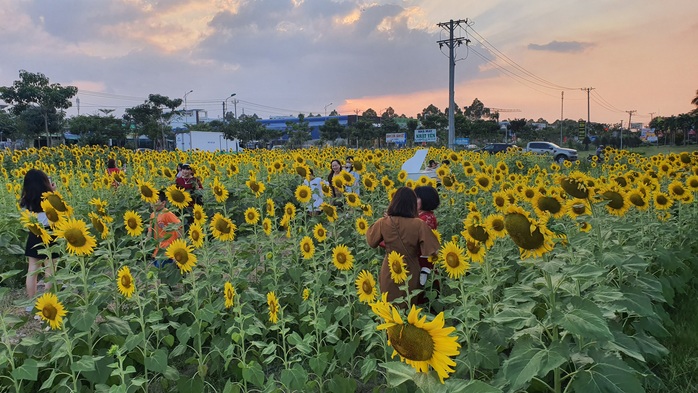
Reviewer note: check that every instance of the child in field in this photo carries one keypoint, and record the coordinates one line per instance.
(168, 228)
(427, 201)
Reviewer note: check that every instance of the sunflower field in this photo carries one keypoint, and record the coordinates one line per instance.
(553, 278)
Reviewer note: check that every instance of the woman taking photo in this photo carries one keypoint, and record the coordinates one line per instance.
(403, 232)
(35, 184)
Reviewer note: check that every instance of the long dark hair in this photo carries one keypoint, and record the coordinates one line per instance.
(35, 184)
(429, 196)
(404, 203)
(331, 175)
(111, 163)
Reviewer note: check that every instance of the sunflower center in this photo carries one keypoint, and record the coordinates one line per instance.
(574, 188)
(341, 258)
(549, 204)
(366, 287)
(397, 267)
(52, 215)
(57, 203)
(303, 194)
(306, 247)
(229, 294)
(478, 233)
(411, 342)
(662, 200)
(677, 190)
(181, 256)
(126, 281)
(636, 199)
(519, 228)
(75, 237)
(146, 191)
(132, 223)
(195, 235)
(452, 260)
(579, 209)
(473, 247)
(499, 201)
(49, 312)
(498, 225)
(177, 196)
(222, 226)
(616, 200)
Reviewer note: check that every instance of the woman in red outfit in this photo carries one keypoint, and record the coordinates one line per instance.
(427, 201)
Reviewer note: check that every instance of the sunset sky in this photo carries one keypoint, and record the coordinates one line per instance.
(285, 57)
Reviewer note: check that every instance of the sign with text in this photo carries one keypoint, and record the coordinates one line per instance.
(398, 137)
(463, 141)
(582, 129)
(428, 135)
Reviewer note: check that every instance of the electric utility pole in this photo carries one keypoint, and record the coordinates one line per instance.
(586, 126)
(562, 109)
(452, 42)
(630, 119)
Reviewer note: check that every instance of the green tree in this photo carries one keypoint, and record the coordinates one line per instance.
(151, 118)
(247, 128)
(34, 90)
(476, 110)
(299, 131)
(98, 130)
(694, 101)
(332, 130)
(8, 125)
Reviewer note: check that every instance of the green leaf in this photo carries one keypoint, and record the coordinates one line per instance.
(298, 342)
(527, 361)
(84, 318)
(636, 302)
(295, 378)
(168, 340)
(367, 367)
(584, 320)
(157, 361)
(483, 355)
(86, 363)
(473, 386)
(253, 373)
(4, 276)
(607, 375)
(514, 318)
(115, 326)
(189, 384)
(398, 373)
(319, 364)
(340, 384)
(344, 350)
(429, 382)
(231, 387)
(28, 371)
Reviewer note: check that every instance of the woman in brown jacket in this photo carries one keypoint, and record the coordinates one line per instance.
(403, 232)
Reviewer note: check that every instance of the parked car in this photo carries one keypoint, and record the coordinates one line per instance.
(559, 154)
(494, 148)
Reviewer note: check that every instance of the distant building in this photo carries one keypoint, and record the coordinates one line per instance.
(278, 123)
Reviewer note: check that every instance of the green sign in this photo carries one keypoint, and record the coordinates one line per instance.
(582, 129)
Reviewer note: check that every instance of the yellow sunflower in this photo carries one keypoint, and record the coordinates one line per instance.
(367, 209)
(196, 235)
(475, 250)
(618, 203)
(453, 260)
(98, 225)
(50, 310)
(290, 210)
(330, 211)
(124, 282)
(256, 187)
(532, 237)
(366, 287)
(352, 199)
(53, 215)
(100, 205)
(58, 203)
(419, 344)
(252, 215)
(274, 307)
(398, 268)
(31, 222)
(220, 193)
(270, 207)
(578, 207)
(342, 258)
(638, 199)
(78, 240)
(229, 294)
(133, 223)
(661, 200)
(222, 228)
(182, 254)
(550, 204)
(584, 226)
(266, 226)
(148, 192)
(361, 226)
(303, 194)
(307, 247)
(306, 294)
(319, 232)
(177, 197)
(495, 224)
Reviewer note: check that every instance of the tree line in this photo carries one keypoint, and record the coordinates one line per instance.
(37, 111)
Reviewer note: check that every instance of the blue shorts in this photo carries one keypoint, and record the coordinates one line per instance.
(160, 263)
